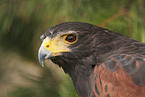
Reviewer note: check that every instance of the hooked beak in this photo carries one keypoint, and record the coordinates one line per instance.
(43, 54)
(51, 48)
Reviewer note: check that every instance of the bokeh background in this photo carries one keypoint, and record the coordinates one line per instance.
(23, 21)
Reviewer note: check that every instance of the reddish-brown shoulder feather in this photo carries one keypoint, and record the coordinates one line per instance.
(115, 84)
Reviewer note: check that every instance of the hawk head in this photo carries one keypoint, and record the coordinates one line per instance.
(77, 47)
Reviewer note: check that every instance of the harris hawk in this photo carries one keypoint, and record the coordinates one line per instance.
(100, 62)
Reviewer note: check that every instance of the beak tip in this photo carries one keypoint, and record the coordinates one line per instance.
(40, 60)
(43, 54)
(42, 64)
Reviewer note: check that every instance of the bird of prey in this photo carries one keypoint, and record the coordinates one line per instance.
(100, 62)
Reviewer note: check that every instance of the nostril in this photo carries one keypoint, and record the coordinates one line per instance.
(47, 46)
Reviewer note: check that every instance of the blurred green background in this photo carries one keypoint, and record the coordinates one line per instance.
(23, 21)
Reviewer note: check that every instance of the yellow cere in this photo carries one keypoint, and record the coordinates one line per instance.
(56, 45)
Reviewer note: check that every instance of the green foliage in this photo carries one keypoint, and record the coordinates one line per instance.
(45, 85)
(67, 89)
(23, 92)
(23, 21)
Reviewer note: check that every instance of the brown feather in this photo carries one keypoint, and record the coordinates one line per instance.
(118, 84)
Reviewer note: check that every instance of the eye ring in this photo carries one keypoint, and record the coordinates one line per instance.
(71, 38)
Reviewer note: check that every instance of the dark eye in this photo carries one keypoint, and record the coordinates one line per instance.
(71, 38)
